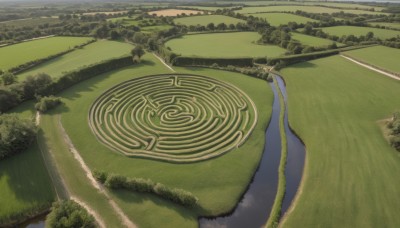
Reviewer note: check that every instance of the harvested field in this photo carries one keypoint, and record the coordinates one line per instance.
(173, 12)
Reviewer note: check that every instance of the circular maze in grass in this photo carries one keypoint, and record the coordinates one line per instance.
(175, 117)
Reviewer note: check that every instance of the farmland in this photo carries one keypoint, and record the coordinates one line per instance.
(28, 51)
(312, 40)
(201, 114)
(360, 31)
(188, 177)
(29, 22)
(380, 56)
(354, 141)
(90, 54)
(173, 12)
(389, 25)
(309, 9)
(238, 44)
(277, 19)
(206, 19)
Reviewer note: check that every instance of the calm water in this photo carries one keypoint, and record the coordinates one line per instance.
(254, 208)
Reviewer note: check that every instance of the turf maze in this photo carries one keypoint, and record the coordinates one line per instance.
(177, 118)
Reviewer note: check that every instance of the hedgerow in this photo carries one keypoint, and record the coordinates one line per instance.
(115, 181)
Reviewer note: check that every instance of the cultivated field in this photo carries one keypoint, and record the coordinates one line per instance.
(28, 51)
(155, 28)
(277, 19)
(386, 24)
(173, 12)
(350, 179)
(217, 195)
(383, 57)
(105, 12)
(312, 40)
(309, 9)
(310, 3)
(204, 8)
(206, 19)
(30, 22)
(225, 45)
(90, 54)
(360, 31)
(175, 118)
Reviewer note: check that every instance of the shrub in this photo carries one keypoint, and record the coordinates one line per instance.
(394, 134)
(15, 134)
(139, 185)
(47, 103)
(115, 181)
(69, 214)
(100, 176)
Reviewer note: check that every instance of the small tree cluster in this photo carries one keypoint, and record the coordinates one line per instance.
(68, 214)
(15, 134)
(175, 195)
(394, 127)
(47, 103)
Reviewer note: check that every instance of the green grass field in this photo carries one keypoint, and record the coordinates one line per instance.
(15, 55)
(90, 54)
(30, 22)
(360, 31)
(311, 3)
(224, 45)
(386, 24)
(230, 173)
(155, 28)
(25, 184)
(312, 40)
(309, 9)
(380, 56)
(277, 19)
(206, 19)
(205, 8)
(350, 178)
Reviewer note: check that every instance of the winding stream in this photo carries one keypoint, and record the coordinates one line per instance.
(256, 204)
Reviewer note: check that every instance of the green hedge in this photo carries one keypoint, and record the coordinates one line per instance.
(115, 181)
(198, 61)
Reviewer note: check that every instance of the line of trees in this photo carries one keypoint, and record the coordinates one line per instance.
(394, 131)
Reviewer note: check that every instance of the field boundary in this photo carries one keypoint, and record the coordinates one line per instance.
(372, 67)
(124, 218)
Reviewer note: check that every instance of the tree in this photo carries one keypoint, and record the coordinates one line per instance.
(370, 36)
(115, 35)
(211, 26)
(36, 85)
(137, 51)
(69, 214)
(47, 103)
(8, 78)
(15, 134)
(221, 26)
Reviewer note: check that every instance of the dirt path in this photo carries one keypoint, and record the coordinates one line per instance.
(98, 219)
(37, 118)
(124, 218)
(371, 68)
(163, 62)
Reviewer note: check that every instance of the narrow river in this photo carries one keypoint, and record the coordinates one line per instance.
(254, 208)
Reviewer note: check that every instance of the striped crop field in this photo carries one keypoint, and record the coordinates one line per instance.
(175, 118)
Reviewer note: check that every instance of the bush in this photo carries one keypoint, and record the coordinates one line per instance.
(15, 134)
(115, 181)
(69, 214)
(139, 185)
(100, 176)
(47, 103)
(175, 195)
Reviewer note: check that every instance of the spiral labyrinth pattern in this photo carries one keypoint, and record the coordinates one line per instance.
(176, 118)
